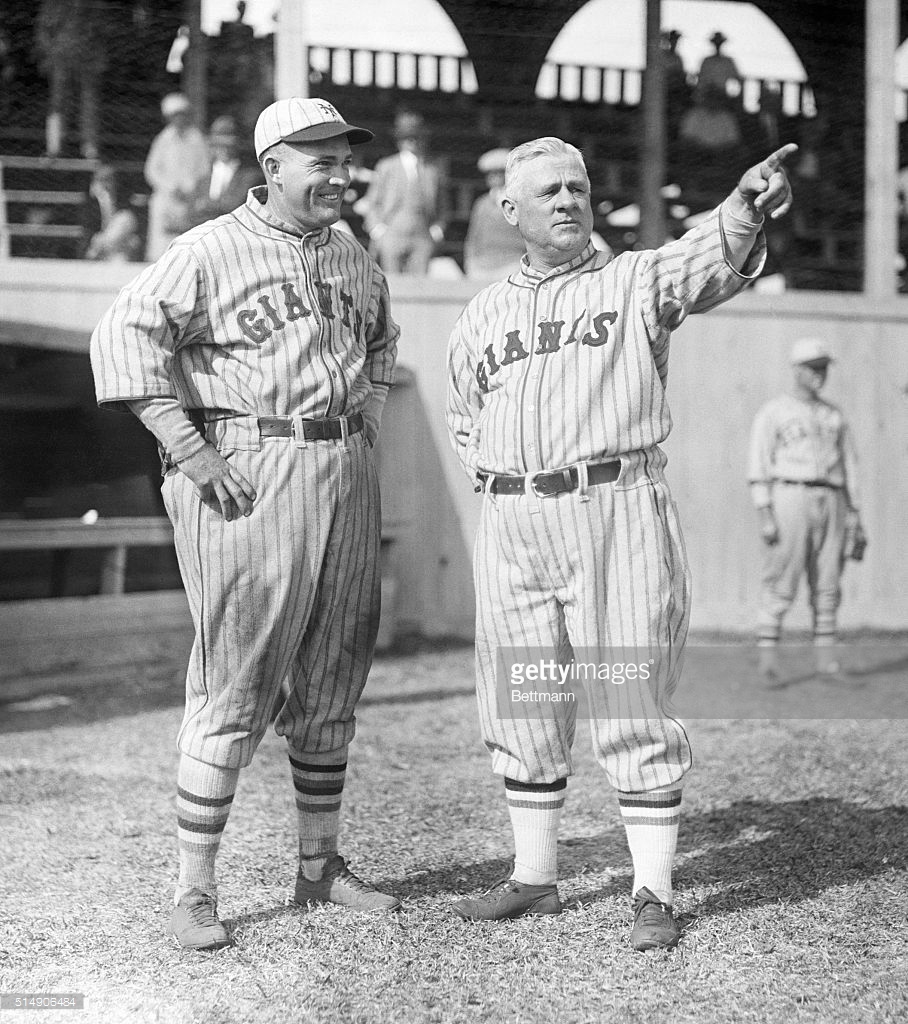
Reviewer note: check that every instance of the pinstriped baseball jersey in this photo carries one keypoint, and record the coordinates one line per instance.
(546, 370)
(792, 439)
(247, 316)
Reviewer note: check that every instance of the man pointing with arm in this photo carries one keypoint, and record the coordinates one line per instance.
(556, 408)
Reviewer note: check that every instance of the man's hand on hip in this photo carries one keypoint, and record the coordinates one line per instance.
(221, 487)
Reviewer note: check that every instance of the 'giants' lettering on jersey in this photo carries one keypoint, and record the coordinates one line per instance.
(276, 311)
(548, 341)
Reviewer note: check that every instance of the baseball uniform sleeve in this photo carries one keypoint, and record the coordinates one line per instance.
(464, 396)
(694, 273)
(132, 348)
(760, 461)
(167, 420)
(382, 333)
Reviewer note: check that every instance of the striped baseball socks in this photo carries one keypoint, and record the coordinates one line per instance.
(651, 823)
(204, 797)
(535, 810)
(318, 781)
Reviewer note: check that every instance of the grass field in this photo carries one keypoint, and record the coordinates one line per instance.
(792, 870)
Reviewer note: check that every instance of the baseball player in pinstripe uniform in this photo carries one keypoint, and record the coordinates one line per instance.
(259, 350)
(556, 408)
(803, 482)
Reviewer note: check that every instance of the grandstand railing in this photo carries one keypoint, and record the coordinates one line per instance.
(426, 72)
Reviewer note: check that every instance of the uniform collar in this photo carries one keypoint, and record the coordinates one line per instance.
(534, 275)
(257, 215)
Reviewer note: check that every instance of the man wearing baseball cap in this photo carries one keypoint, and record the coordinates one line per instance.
(259, 350)
(803, 482)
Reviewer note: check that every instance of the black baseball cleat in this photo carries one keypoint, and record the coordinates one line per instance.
(195, 922)
(339, 885)
(509, 899)
(654, 923)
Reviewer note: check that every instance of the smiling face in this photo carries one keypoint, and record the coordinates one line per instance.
(307, 181)
(549, 201)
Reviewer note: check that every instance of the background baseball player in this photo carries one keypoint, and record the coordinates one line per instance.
(803, 482)
(273, 332)
(556, 408)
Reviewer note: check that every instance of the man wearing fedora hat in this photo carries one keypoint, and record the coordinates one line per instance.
(718, 80)
(259, 350)
(803, 482)
(177, 168)
(403, 205)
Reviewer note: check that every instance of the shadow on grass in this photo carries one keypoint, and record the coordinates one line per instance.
(417, 696)
(752, 853)
(760, 852)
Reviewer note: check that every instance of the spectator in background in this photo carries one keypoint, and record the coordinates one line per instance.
(111, 226)
(178, 169)
(74, 39)
(404, 202)
(677, 90)
(718, 81)
(231, 175)
(492, 247)
(709, 135)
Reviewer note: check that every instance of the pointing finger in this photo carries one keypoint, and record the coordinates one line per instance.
(775, 160)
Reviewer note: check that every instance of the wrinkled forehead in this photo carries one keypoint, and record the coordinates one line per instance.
(544, 169)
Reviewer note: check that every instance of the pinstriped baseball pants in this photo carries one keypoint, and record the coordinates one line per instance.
(567, 574)
(811, 524)
(290, 594)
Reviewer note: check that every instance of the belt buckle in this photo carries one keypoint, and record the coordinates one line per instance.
(566, 476)
(298, 432)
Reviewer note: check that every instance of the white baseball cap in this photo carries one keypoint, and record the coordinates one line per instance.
(300, 119)
(809, 350)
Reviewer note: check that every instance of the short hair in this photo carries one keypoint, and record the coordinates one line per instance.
(527, 151)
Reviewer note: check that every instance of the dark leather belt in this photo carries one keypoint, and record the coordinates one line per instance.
(313, 430)
(544, 485)
(808, 483)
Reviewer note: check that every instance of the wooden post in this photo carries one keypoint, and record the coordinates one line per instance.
(113, 570)
(880, 150)
(652, 157)
(195, 73)
(291, 64)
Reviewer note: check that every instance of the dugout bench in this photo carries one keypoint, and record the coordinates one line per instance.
(114, 536)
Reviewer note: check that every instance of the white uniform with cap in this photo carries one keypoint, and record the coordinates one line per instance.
(802, 469)
(278, 341)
